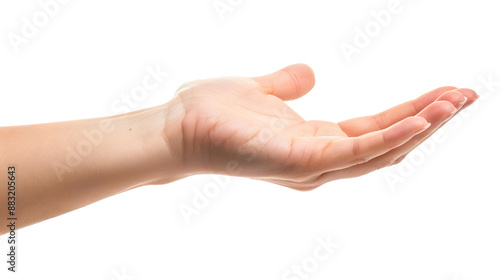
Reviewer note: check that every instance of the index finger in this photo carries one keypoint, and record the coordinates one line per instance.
(382, 120)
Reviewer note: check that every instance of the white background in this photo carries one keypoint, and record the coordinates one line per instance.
(439, 220)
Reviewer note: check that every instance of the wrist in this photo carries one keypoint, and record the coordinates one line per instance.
(151, 154)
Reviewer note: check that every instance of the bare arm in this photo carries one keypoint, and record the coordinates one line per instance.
(63, 166)
(234, 126)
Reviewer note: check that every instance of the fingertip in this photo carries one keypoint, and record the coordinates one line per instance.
(470, 94)
(426, 99)
(419, 124)
(455, 97)
(289, 83)
(303, 76)
(445, 107)
(405, 129)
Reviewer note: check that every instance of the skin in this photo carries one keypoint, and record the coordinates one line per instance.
(233, 126)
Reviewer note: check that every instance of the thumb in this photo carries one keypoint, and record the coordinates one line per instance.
(288, 83)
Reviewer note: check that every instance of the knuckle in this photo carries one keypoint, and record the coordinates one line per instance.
(294, 79)
(380, 120)
(356, 148)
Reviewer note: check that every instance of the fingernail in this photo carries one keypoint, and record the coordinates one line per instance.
(469, 93)
(427, 124)
(463, 102)
(453, 112)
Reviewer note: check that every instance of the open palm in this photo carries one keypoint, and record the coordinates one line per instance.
(242, 126)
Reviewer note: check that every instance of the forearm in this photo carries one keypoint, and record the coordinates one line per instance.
(64, 166)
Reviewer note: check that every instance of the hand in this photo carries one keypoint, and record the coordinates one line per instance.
(235, 126)
(242, 126)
